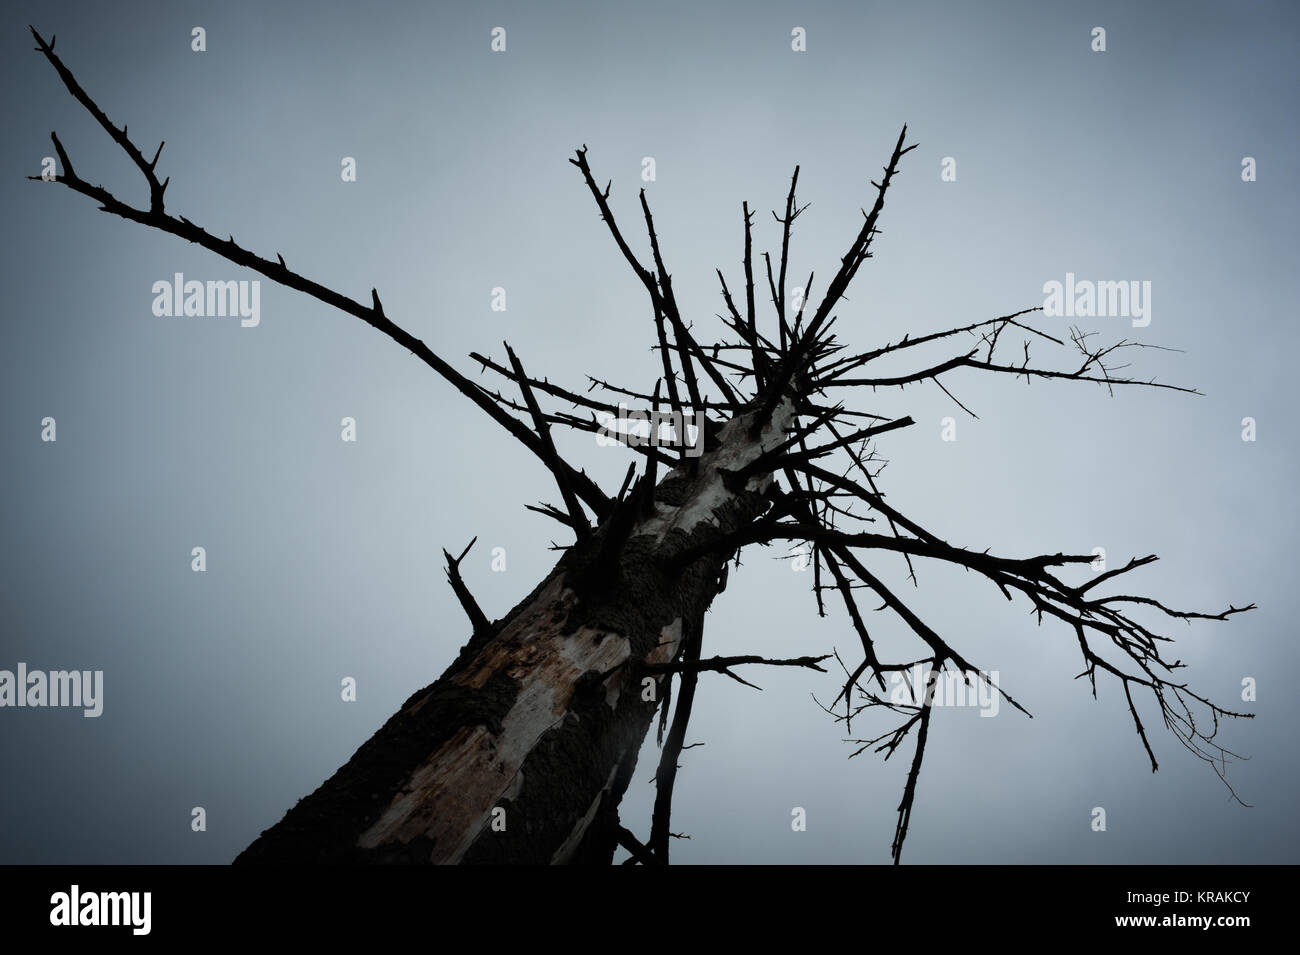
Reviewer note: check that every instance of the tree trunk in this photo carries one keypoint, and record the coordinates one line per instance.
(521, 751)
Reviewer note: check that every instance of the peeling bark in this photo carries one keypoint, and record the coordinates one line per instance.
(543, 716)
(539, 714)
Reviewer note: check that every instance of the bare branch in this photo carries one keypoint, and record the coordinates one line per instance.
(477, 618)
(667, 773)
(372, 315)
(550, 457)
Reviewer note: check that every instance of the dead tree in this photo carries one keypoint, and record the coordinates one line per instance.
(540, 717)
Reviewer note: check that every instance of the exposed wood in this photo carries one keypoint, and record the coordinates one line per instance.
(522, 750)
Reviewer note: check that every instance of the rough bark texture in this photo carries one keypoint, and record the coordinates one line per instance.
(541, 716)
(544, 716)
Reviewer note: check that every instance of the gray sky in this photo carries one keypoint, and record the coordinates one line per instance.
(324, 557)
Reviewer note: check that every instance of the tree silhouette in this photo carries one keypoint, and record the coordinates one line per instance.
(522, 750)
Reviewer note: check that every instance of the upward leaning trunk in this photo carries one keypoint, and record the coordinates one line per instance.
(521, 751)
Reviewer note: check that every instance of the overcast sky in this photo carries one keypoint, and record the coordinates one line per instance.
(221, 688)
